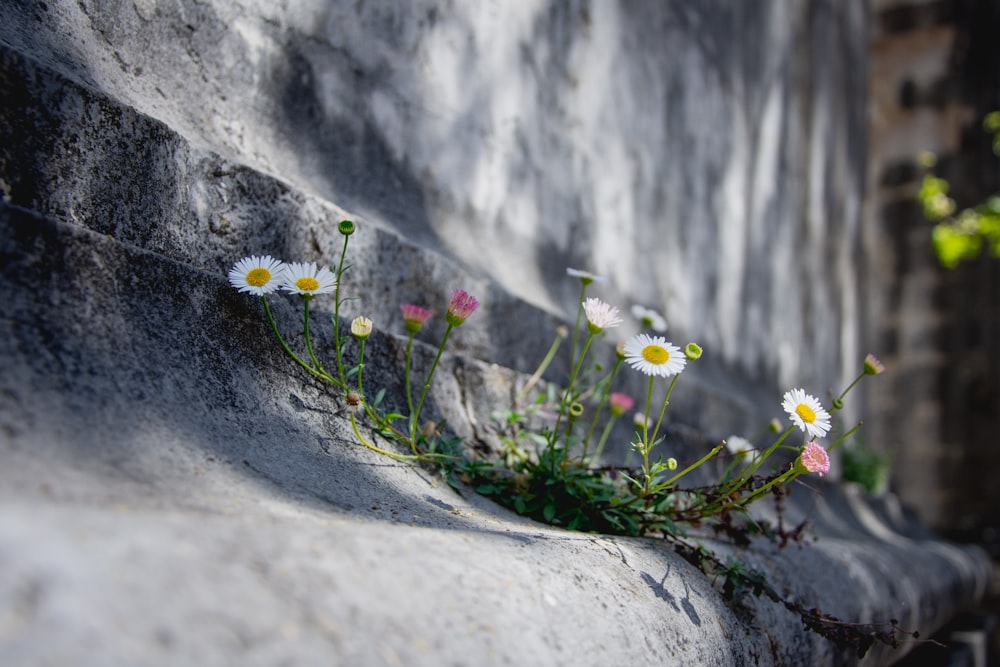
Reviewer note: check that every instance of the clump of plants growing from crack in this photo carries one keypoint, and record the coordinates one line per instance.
(551, 462)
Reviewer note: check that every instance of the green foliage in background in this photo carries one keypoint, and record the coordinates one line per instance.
(961, 236)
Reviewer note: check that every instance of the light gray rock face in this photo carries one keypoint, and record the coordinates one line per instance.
(707, 157)
(173, 492)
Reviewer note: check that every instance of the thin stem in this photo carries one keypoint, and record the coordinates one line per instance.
(786, 476)
(274, 325)
(579, 314)
(666, 400)
(361, 366)
(336, 313)
(306, 298)
(415, 416)
(844, 437)
(537, 375)
(646, 446)
(604, 439)
(706, 457)
(602, 399)
(386, 452)
(756, 463)
(568, 394)
(849, 387)
(409, 357)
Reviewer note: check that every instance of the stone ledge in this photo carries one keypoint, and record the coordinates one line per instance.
(166, 474)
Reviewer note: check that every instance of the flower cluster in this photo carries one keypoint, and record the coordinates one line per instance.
(263, 275)
(545, 466)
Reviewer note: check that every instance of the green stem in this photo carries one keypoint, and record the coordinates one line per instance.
(706, 457)
(361, 366)
(415, 416)
(604, 439)
(336, 313)
(306, 298)
(537, 375)
(755, 464)
(666, 400)
(602, 399)
(844, 437)
(274, 325)
(406, 376)
(579, 314)
(646, 447)
(786, 476)
(386, 452)
(849, 387)
(568, 395)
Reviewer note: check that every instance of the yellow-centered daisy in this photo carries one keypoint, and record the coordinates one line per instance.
(807, 413)
(257, 275)
(308, 280)
(653, 355)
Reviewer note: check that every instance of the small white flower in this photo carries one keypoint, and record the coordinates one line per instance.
(653, 355)
(649, 318)
(641, 420)
(257, 275)
(806, 412)
(738, 446)
(307, 280)
(600, 315)
(586, 277)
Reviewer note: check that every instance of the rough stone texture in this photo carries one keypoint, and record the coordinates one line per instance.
(173, 492)
(509, 150)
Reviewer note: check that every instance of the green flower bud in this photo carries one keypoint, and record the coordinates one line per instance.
(346, 227)
(692, 351)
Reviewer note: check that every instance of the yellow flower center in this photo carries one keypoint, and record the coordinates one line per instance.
(258, 277)
(307, 284)
(804, 411)
(655, 354)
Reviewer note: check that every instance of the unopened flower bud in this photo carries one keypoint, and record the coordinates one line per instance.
(671, 463)
(575, 409)
(873, 366)
(346, 227)
(692, 351)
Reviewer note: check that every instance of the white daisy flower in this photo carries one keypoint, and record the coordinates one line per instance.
(257, 275)
(807, 413)
(586, 277)
(653, 355)
(738, 446)
(307, 280)
(649, 318)
(600, 315)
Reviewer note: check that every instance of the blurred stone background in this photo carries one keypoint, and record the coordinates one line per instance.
(935, 72)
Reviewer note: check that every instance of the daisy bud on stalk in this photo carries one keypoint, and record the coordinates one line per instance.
(361, 328)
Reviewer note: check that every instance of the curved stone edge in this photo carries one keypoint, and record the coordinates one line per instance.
(165, 471)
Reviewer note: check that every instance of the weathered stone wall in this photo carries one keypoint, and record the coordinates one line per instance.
(707, 157)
